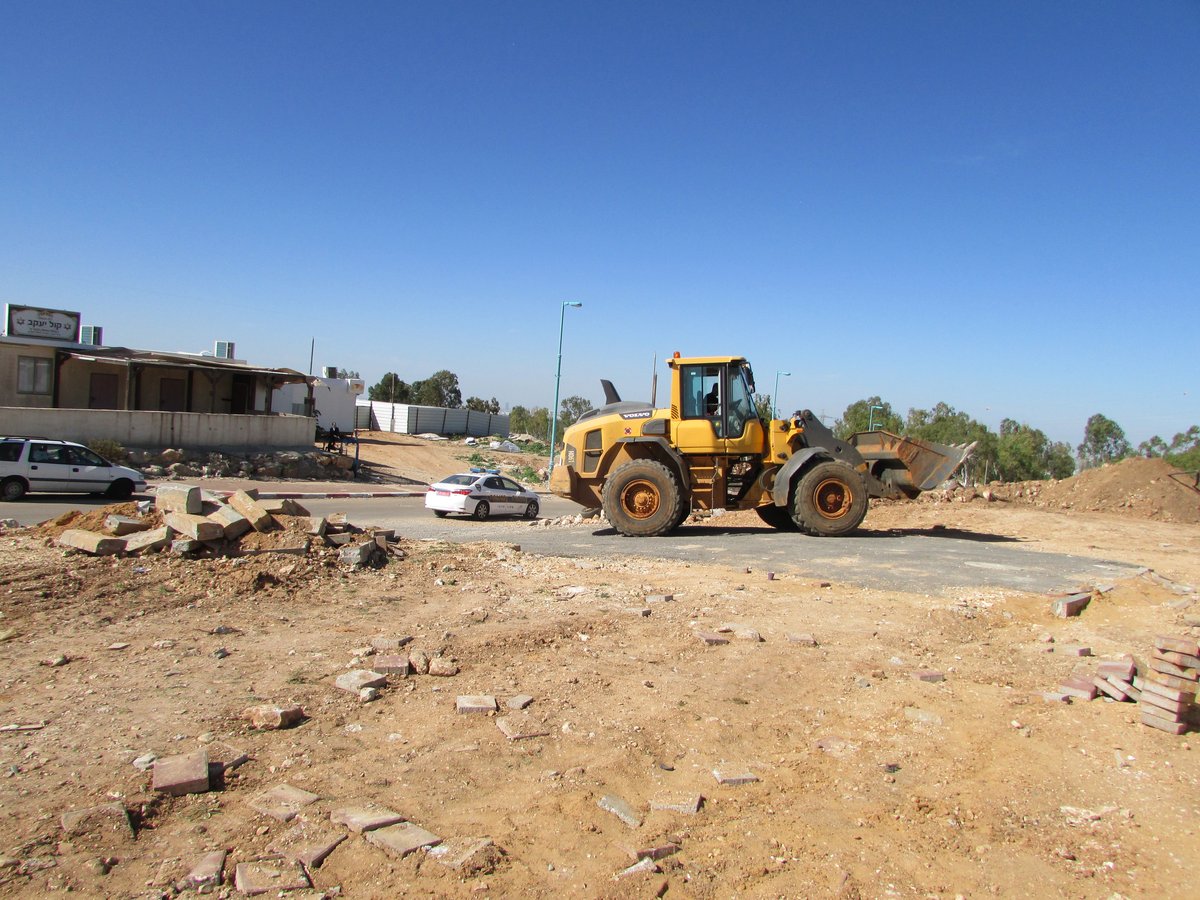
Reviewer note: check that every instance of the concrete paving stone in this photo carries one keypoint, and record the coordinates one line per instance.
(91, 542)
(520, 701)
(307, 843)
(1104, 686)
(402, 839)
(620, 808)
(1184, 660)
(185, 773)
(924, 716)
(1153, 686)
(659, 598)
(383, 643)
(282, 802)
(1079, 687)
(208, 872)
(150, 541)
(316, 525)
(475, 703)
(123, 525)
(1162, 724)
(1073, 650)
(391, 664)
(340, 539)
(477, 856)
(687, 804)
(520, 727)
(354, 681)
(269, 717)
(1174, 707)
(232, 522)
(1123, 669)
(1056, 697)
(367, 817)
(263, 877)
(1170, 681)
(1073, 605)
(932, 676)
(253, 510)
(734, 776)
(802, 638)
(184, 498)
(195, 527)
(1177, 643)
(748, 634)
(711, 638)
(1160, 664)
(641, 867)
(356, 555)
(225, 757)
(658, 851)
(440, 667)
(109, 821)
(1130, 691)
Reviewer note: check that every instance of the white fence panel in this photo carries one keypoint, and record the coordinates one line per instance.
(405, 418)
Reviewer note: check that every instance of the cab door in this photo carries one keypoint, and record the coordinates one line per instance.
(700, 428)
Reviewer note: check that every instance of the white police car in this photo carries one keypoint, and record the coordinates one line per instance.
(479, 494)
(61, 467)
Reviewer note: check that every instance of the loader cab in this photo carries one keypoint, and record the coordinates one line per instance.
(715, 400)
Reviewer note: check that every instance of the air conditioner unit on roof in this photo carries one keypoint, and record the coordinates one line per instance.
(92, 335)
(223, 350)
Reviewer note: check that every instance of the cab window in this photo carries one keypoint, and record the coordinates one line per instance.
(741, 403)
(702, 399)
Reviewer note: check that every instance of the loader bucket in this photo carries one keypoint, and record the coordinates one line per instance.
(909, 464)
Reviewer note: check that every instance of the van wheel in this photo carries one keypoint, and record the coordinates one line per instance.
(121, 489)
(13, 489)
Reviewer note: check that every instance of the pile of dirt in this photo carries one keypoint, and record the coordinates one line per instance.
(1148, 488)
(93, 519)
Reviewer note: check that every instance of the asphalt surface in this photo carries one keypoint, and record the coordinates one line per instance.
(942, 562)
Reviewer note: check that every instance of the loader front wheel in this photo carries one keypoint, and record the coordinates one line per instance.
(642, 499)
(830, 500)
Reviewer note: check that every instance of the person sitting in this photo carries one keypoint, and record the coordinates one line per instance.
(712, 401)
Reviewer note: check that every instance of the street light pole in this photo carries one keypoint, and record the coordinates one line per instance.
(562, 317)
(871, 416)
(775, 396)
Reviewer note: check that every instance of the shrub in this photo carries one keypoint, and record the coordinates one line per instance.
(110, 450)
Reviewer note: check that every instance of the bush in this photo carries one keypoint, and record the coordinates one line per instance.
(110, 450)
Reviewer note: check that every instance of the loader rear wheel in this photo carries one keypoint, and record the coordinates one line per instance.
(642, 499)
(830, 500)
(776, 517)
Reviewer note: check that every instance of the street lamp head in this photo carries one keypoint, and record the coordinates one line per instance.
(572, 303)
(789, 374)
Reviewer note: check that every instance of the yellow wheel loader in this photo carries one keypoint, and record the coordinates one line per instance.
(650, 468)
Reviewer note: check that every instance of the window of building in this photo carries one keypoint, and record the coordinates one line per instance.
(33, 375)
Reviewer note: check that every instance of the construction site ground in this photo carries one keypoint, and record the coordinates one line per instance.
(867, 782)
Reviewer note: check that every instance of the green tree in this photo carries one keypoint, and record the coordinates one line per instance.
(488, 406)
(1024, 453)
(1060, 461)
(1183, 451)
(390, 389)
(345, 373)
(860, 417)
(539, 423)
(570, 410)
(1103, 442)
(439, 389)
(763, 407)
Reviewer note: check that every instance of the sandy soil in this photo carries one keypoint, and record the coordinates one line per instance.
(869, 782)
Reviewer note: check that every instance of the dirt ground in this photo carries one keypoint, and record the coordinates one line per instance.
(869, 782)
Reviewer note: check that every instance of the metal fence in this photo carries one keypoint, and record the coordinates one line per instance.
(404, 418)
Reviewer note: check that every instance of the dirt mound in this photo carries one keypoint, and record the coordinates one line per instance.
(93, 519)
(1149, 488)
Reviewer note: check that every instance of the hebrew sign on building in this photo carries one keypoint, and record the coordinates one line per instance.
(50, 324)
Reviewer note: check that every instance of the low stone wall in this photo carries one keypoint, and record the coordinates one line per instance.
(143, 428)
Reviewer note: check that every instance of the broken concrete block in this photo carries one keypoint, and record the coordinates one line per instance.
(357, 679)
(383, 644)
(475, 703)
(734, 776)
(272, 876)
(365, 818)
(184, 546)
(122, 525)
(185, 773)
(620, 808)
(182, 498)
(109, 820)
(391, 664)
(474, 856)
(1065, 607)
(711, 638)
(521, 727)
(208, 872)
(688, 804)
(282, 802)
(307, 843)
(149, 541)
(440, 667)
(802, 638)
(931, 676)
(356, 555)
(232, 522)
(197, 528)
(419, 660)
(316, 526)
(269, 717)
(402, 839)
(520, 701)
(253, 510)
(91, 542)
(223, 757)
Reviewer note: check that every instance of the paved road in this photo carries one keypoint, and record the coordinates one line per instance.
(917, 560)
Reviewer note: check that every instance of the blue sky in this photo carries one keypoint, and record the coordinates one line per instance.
(993, 205)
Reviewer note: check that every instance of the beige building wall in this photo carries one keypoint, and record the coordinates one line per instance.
(9, 354)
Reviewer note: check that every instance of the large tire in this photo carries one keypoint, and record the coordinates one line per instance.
(13, 489)
(776, 516)
(642, 499)
(830, 500)
(121, 489)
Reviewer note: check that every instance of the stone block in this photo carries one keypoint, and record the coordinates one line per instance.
(357, 679)
(475, 703)
(1079, 687)
(620, 808)
(270, 717)
(253, 510)
(712, 639)
(440, 667)
(419, 660)
(1073, 605)
(384, 644)
(356, 555)
(307, 843)
(149, 541)
(521, 727)
(122, 525)
(208, 872)
(339, 540)
(184, 546)
(282, 802)
(1174, 707)
(91, 542)
(391, 664)
(1073, 650)
(1162, 724)
(223, 757)
(734, 776)
(185, 773)
(1152, 686)
(109, 821)
(1104, 686)
(686, 804)
(802, 638)
(473, 856)
(1177, 644)
(520, 701)
(659, 598)
(1123, 669)
(273, 876)
(181, 498)
(402, 839)
(197, 528)
(365, 818)
(932, 676)
(233, 523)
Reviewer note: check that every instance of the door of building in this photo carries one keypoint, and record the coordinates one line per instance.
(102, 391)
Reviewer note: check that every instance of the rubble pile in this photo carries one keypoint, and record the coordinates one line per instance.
(287, 464)
(189, 522)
